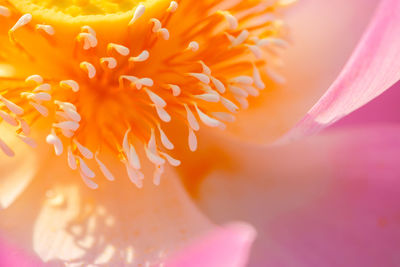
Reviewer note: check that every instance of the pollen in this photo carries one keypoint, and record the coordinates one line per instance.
(113, 76)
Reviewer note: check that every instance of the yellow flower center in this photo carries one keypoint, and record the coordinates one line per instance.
(114, 74)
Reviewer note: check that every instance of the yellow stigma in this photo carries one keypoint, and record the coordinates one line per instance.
(113, 74)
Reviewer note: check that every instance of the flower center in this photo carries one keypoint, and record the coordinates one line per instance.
(115, 73)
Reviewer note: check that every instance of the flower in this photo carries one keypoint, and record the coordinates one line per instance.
(108, 84)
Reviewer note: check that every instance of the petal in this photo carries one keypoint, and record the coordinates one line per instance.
(13, 256)
(227, 246)
(373, 68)
(385, 108)
(16, 172)
(115, 225)
(323, 34)
(329, 200)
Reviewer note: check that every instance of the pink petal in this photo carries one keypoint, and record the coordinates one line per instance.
(373, 68)
(385, 108)
(12, 256)
(226, 246)
(329, 200)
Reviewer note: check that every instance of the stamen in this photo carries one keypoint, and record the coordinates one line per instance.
(106, 172)
(173, 6)
(4, 11)
(53, 139)
(6, 149)
(138, 13)
(70, 84)
(45, 28)
(71, 159)
(17, 110)
(85, 169)
(89, 69)
(140, 58)
(192, 140)
(120, 49)
(83, 150)
(37, 79)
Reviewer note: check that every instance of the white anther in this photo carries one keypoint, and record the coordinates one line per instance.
(67, 133)
(232, 21)
(206, 69)
(257, 52)
(162, 114)
(229, 105)
(157, 25)
(37, 79)
(153, 157)
(275, 76)
(70, 84)
(45, 28)
(251, 90)
(83, 150)
(257, 78)
(201, 77)
(65, 105)
(4, 11)
(213, 98)
(137, 14)
(27, 140)
(133, 158)
(8, 118)
(224, 116)
(219, 85)
(120, 49)
(176, 90)
(173, 6)
(272, 41)
(242, 79)
(53, 139)
(89, 69)
(131, 79)
(14, 108)
(41, 96)
(191, 119)
(142, 57)
(85, 169)
(40, 108)
(164, 139)
(89, 40)
(242, 101)
(89, 183)
(42, 88)
(109, 62)
(238, 91)
(125, 143)
(72, 114)
(207, 120)
(164, 33)
(192, 140)
(71, 159)
(23, 20)
(194, 46)
(88, 29)
(157, 174)
(146, 82)
(151, 150)
(67, 125)
(106, 172)
(6, 149)
(135, 176)
(241, 38)
(24, 126)
(156, 99)
(171, 160)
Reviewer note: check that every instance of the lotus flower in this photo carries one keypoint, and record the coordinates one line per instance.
(105, 164)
